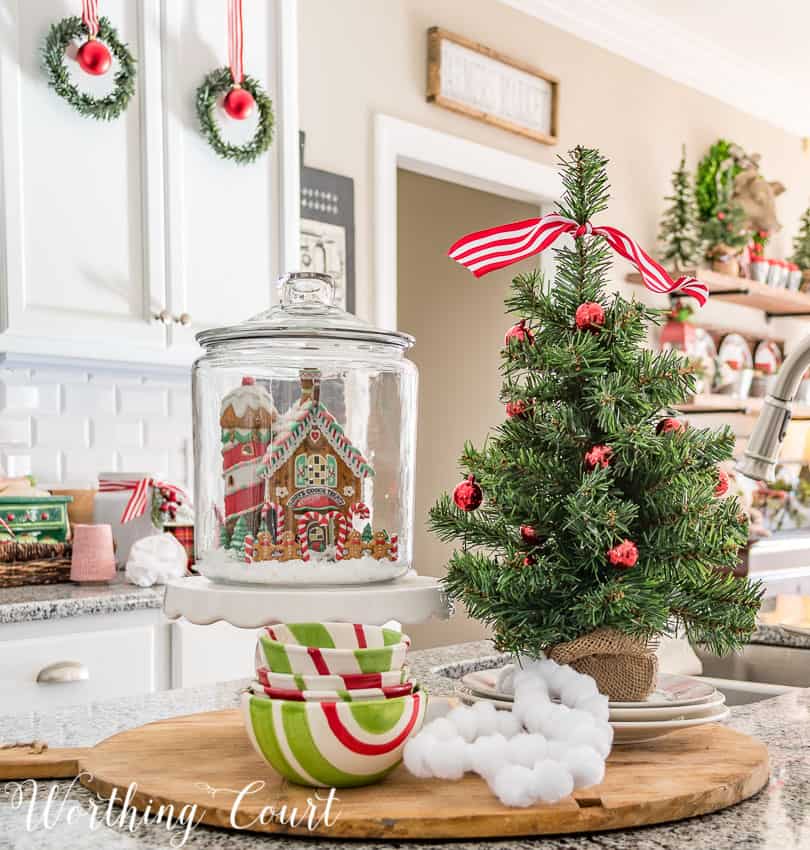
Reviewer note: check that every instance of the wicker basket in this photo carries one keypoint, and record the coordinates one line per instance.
(12, 551)
(50, 571)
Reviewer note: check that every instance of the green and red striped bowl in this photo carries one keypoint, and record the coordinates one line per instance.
(349, 682)
(331, 649)
(341, 695)
(332, 744)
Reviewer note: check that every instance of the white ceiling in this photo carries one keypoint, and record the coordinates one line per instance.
(753, 55)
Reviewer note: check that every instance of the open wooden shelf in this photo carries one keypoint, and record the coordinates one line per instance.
(717, 403)
(775, 303)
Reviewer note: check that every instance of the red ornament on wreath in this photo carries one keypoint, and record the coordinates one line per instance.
(468, 495)
(624, 554)
(589, 316)
(239, 103)
(528, 534)
(94, 58)
(598, 456)
(516, 408)
(520, 333)
(722, 483)
(670, 425)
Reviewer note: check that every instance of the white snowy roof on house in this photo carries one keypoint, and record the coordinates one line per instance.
(293, 427)
(248, 396)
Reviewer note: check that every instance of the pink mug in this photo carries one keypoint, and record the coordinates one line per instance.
(93, 556)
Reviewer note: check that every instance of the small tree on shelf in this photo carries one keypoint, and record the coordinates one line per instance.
(801, 243)
(601, 510)
(680, 229)
(240, 531)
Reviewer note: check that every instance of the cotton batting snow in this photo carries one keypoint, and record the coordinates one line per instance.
(540, 751)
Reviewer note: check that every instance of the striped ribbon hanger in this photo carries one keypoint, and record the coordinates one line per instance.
(486, 251)
(236, 41)
(90, 16)
(136, 506)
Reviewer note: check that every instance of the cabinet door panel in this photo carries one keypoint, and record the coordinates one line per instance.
(81, 198)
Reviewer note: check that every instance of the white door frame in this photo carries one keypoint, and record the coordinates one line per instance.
(401, 144)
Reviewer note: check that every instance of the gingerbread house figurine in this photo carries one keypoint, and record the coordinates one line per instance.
(247, 415)
(314, 473)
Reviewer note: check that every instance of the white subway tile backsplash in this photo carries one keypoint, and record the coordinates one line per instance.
(18, 397)
(89, 399)
(65, 425)
(85, 464)
(142, 401)
(15, 431)
(61, 431)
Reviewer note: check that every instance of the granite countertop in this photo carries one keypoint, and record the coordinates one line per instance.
(48, 601)
(775, 819)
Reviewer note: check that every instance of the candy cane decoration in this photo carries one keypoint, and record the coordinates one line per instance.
(280, 515)
(341, 533)
(359, 510)
(303, 521)
(393, 548)
(248, 548)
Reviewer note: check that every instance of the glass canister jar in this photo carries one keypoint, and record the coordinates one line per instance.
(304, 445)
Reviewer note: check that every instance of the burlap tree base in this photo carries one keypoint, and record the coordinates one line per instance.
(625, 668)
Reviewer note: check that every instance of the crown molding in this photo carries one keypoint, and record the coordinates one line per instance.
(626, 28)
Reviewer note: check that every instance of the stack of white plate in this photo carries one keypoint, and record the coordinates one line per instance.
(677, 703)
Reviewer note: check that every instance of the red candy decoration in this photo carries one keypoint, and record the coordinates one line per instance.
(520, 333)
(598, 456)
(670, 426)
(589, 316)
(529, 561)
(239, 103)
(722, 483)
(164, 507)
(624, 554)
(515, 408)
(468, 495)
(94, 58)
(529, 535)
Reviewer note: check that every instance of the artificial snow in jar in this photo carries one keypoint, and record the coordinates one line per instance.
(304, 439)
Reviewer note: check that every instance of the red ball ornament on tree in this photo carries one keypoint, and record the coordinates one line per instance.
(468, 495)
(529, 561)
(722, 483)
(239, 103)
(669, 425)
(598, 456)
(589, 316)
(520, 333)
(624, 554)
(94, 58)
(515, 408)
(528, 534)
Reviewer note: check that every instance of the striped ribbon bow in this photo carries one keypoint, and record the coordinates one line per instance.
(136, 506)
(487, 250)
(90, 16)
(235, 41)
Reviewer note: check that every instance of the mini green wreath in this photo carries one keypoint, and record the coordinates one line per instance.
(60, 35)
(218, 83)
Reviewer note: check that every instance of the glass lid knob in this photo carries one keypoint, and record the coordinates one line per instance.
(307, 289)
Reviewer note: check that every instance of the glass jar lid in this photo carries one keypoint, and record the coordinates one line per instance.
(306, 311)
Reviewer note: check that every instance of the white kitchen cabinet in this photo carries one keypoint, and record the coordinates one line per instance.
(104, 225)
(112, 655)
(203, 655)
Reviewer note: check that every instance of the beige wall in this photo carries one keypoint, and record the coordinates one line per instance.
(360, 57)
(459, 324)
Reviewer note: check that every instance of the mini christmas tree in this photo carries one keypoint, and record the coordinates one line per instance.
(801, 243)
(240, 531)
(600, 510)
(679, 233)
(224, 540)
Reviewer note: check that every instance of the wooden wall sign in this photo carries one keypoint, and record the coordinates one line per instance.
(477, 81)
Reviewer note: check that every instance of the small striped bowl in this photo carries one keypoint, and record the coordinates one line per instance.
(331, 648)
(332, 744)
(349, 682)
(343, 695)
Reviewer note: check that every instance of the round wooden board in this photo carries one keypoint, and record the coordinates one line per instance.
(179, 761)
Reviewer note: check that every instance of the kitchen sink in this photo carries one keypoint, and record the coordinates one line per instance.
(760, 664)
(737, 692)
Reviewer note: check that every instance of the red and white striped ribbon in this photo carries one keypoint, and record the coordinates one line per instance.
(485, 251)
(136, 506)
(7, 527)
(235, 41)
(90, 16)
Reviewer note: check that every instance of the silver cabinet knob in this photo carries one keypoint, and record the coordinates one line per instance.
(61, 672)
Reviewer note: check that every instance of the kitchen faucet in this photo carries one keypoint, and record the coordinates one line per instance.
(759, 460)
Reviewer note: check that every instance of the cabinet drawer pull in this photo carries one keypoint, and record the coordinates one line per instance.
(61, 672)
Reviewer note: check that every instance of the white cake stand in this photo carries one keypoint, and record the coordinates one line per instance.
(410, 599)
